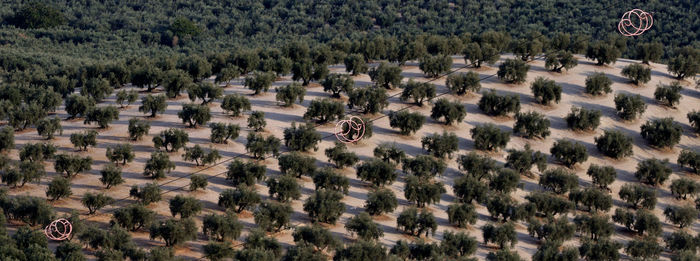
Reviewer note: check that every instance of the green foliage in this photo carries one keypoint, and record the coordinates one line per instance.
(153, 104)
(103, 116)
(505, 181)
(35, 15)
(284, 188)
(200, 156)
(592, 198)
(84, 139)
(531, 124)
(355, 64)
(204, 91)
(389, 153)
(196, 66)
(638, 196)
(489, 137)
(340, 156)
(48, 127)
(640, 222)
(256, 121)
(235, 104)
(173, 231)
(513, 71)
(500, 235)
(381, 201)
(527, 48)
(468, 188)
(296, 164)
(662, 133)
(377, 172)
(94, 201)
(308, 70)
(637, 73)
(462, 83)
(386, 75)
(644, 249)
(71, 165)
(423, 192)
(555, 61)
(317, 236)
(503, 255)
(495, 105)
(598, 84)
(569, 153)
(273, 216)
(218, 250)
(629, 107)
(418, 91)
(668, 95)
(556, 230)
(546, 91)
(582, 119)
(171, 140)
(37, 152)
(558, 180)
(175, 81)
(424, 166)
(522, 160)
(368, 99)
(647, 52)
(337, 83)
(361, 250)
(681, 241)
(681, 215)
(194, 114)
(158, 165)
(324, 110)
(146, 75)
(433, 66)
(70, 251)
(603, 249)
(327, 178)
(694, 119)
(121, 153)
(221, 227)
(147, 194)
(407, 122)
(302, 138)
(601, 176)
(97, 89)
(239, 199)
(247, 173)
(58, 188)
(685, 62)
(259, 246)
(602, 52)
(683, 187)
(690, 159)
(451, 111)
(653, 171)
(413, 223)
(185, 206)
(461, 214)
(363, 226)
(290, 93)
(222, 132)
(28, 209)
(128, 97)
(614, 144)
(198, 182)
(597, 226)
(78, 105)
(478, 53)
(259, 147)
(440, 145)
(138, 128)
(25, 115)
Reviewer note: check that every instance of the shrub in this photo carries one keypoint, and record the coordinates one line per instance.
(303, 138)
(158, 165)
(653, 171)
(325, 206)
(451, 111)
(582, 119)
(296, 164)
(413, 223)
(381, 201)
(662, 133)
(440, 145)
(423, 192)
(337, 83)
(174, 232)
(327, 178)
(58, 188)
(569, 153)
(84, 139)
(614, 144)
(256, 121)
(185, 206)
(290, 93)
(433, 66)
(668, 95)
(120, 153)
(377, 172)
(685, 62)
(637, 73)
(500, 235)
(690, 159)
(368, 99)
(555, 61)
(418, 92)
(386, 75)
(239, 172)
(546, 91)
(681, 216)
(522, 160)
(235, 104)
(242, 198)
(638, 196)
(259, 147)
(601, 176)
(147, 194)
(171, 140)
(284, 188)
(513, 71)
(153, 104)
(462, 83)
(340, 156)
(201, 157)
(531, 124)
(48, 127)
(138, 128)
(222, 132)
(198, 182)
(324, 110)
(629, 107)
(558, 181)
(598, 84)
(494, 105)
(407, 122)
(489, 137)
(221, 227)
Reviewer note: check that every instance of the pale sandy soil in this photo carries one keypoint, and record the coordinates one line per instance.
(279, 118)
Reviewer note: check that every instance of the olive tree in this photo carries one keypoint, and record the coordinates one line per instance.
(185, 206)
(500, 234)
(174, 231)
(71, 165)
(37, 152)
(433, 66)
(381, 201)
(463, 83)
(477, 166)
(653, 171)
(668, 95)
(682, 216)
(198, 182)
(302, 138)
(58, 188)
(513, 71)
(496, 105)
(327, 178)
(411, 222)
(256, 121)
(222, 132)
(423, 192)
(690, 159)
(644, 249)
(532, 125)
(120, 153)
(194, 114)
(451, 111)
(629, 107)
(468, 189)
(138, 128)
(407, 122)
(95, 201)
(684, 63)
(603, 52)
(377, 172)
(239, 172)
(601, 176)
(461, 214)
(546, 91)
(389, 153)
(158, 165)
(77, 105)
(694, 119)
(614, 144)
(235, 104)
(284, 188)
(171, 140)
(593, 199)
(128, 97)
(440, 145)
(84, 139)
(325, 206)
(222, 227)
(637, 73)
(478, 53)
(241, 198)
(340, 156)
(133, 217)
(355, 64)
(175, 81)
(647, 52)
(369, 99)
(602, 249)
(324, 110)
(337, 83)
(489, 137)
(558, 181)
(556, 61)
(569, 153)
(363, 226)
(200, 156)
(296, 164)
(640, 222)
(662, 133)
(638, 196)
(418, 92)
(147, 194)
(523, 160)
(49, 127)
(559, 229)
(290, 93)
(153, 104)
(598, 84)
(259, 146)
(386, 75)
(582, 119)
(204, 91)
(315, 235)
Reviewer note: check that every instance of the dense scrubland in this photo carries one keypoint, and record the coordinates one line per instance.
(494, 130)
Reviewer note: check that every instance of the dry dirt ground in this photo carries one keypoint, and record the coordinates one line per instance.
(278, 118)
